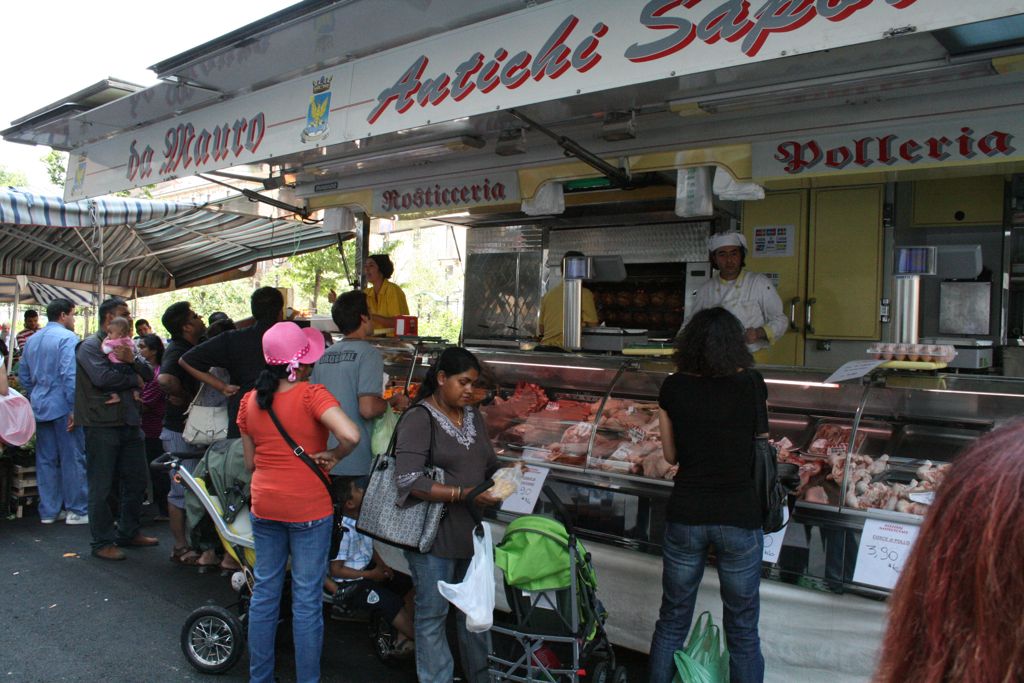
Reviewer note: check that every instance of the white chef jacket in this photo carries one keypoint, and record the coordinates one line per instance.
(751, 298)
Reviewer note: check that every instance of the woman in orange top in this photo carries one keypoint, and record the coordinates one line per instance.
(291, 508)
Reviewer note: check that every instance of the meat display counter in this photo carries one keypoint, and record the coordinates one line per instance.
(869, 450)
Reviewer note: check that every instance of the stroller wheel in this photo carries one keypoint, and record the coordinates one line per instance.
(212, 639)
(620, 675)
(600, 673)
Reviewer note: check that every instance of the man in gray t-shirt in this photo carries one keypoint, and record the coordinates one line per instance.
(353, 371)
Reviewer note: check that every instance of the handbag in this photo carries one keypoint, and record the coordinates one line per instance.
(204, 424)
(773, 481)
(412, 527)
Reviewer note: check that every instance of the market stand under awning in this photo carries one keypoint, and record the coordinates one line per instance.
(139, 244)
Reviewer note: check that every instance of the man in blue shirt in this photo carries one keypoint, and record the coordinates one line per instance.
(353, 371)
(47, 372)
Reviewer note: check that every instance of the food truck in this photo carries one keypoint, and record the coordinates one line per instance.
(870, 152)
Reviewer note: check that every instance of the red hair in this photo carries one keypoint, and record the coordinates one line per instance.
(957, 614)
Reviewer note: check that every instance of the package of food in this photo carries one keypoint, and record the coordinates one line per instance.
(506, 482)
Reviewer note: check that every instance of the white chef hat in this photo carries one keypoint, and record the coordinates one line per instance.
(727, 239)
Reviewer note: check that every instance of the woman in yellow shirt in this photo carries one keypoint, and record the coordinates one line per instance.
(385, 299)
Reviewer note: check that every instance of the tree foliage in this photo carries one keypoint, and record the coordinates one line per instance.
(56, 164)
(12, 178)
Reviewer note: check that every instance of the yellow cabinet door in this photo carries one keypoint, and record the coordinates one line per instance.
(786, 211)
(975, 200)
(844, 281)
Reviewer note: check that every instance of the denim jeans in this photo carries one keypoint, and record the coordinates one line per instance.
(115, 454)
(684, 553)
(60, 468)
(307, 543)
(434, 662)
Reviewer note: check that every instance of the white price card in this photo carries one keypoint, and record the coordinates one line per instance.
(525, 499)
(855, 369)
(884, 549)
(773, 542)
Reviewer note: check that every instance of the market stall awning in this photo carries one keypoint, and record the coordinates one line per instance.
(137, 243)
(41, 293)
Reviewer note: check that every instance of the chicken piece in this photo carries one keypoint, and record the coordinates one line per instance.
(816, 494)
(911, 508)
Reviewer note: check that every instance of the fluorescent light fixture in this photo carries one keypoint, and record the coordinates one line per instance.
(797, 383)
(619, 125)
(510, 142)
(403, 155)
(541, 365)
(852, 86)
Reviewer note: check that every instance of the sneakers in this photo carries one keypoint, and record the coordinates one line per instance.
(74, 518)
(50, 520)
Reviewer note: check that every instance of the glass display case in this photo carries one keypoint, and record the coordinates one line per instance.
(871, 449)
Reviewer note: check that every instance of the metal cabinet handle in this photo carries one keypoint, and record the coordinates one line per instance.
(810, 306)
(793, 303)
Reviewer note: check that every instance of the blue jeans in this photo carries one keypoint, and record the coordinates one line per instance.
(684, 553)
(115, 453)
(307, 543)
(434, 662)
(60, 468)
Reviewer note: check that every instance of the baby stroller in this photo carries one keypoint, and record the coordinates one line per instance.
(213, 637)
(557, 631)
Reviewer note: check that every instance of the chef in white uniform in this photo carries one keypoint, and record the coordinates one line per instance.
(749, 296)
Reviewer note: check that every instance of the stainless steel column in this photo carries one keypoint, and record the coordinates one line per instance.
(906, 313)
(572, 325)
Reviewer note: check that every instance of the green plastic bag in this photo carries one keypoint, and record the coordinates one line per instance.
(705, 658)
(382, 429)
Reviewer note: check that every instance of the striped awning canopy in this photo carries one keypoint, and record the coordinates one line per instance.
(41, 292)
(137, 243)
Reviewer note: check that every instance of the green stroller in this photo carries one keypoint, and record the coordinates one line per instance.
(557, 631)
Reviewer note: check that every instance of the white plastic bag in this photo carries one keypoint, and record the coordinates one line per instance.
(506, 481)
(475, 595)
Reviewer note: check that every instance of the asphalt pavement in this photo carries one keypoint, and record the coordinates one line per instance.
(67, 616)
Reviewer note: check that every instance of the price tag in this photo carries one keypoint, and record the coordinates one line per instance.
(525, 498)
(536, 454)
(884, 548)
(773, 542)
(855, 369)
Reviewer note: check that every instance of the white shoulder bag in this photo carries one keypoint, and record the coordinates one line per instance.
(205, 424)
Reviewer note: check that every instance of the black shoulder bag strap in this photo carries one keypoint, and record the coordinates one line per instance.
(301, 453)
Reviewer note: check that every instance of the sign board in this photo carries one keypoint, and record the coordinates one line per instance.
(884, 548)
(525, 499)
(541, 53)
(966, 138)
(774, 241)
(773, 542)
(494, 188)
(854, 369)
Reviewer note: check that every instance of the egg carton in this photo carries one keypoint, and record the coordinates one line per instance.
(928, 353)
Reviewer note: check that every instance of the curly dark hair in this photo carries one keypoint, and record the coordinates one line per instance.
(712, 345)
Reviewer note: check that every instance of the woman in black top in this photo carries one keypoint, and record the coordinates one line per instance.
(707, 415)
(454, 431)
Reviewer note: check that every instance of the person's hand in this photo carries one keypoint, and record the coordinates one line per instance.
(752, 335)
(399, 402)
(71, 422)
(124, 354)
(230, 389)
(378, 574)
(326, 459)
(486, 500)
(332, 295)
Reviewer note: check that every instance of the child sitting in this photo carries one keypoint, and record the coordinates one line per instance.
(378, 587)
(119, 333)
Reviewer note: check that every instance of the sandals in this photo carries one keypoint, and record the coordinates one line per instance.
(185, 556)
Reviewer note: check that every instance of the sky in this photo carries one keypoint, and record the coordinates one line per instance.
(74, 44)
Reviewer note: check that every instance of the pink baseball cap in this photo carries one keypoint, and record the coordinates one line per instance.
(288, 344)
(17, 423)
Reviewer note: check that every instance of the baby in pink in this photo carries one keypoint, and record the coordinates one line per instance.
(119, 333)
